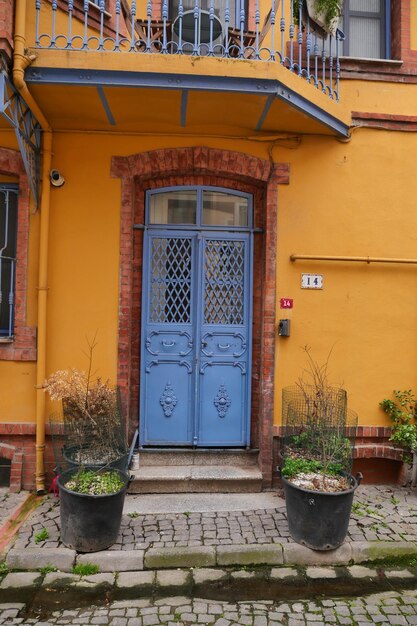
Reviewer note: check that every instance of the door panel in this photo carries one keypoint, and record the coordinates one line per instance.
(168, 386)
(223, 387)
(168, 348)
(222, 404)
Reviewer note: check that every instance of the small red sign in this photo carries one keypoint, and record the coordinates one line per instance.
(286, 303)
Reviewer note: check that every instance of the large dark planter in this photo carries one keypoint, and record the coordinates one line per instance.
(316, 519)
(90, 523)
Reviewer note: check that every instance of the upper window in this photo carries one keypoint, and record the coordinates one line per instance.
(204, 207)
(8, 238)
(366, 25)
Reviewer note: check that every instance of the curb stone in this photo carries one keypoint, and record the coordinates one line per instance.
(35, 558)
(363, 551)
(21, 580)
(199, 556)
(252, 554)
(114, 560)
(135, 580)
(296, 554)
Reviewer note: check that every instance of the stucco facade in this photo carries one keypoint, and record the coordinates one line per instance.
(315, 192)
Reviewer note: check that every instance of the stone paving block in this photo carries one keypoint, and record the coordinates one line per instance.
(296, 554)
(359, 571)
(35, 558)
(172, 578)
(244, 575)
(252, 554)
(198, 556)
(114, 560)
(206, 575)
(96, 581)
(320, 572)
(21, 580)
(59, 580)
(402, 573)
(379, 550)
(129, 580)
(280, 573)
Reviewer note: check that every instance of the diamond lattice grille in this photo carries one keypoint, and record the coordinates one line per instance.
(224, 282)
(170, 297)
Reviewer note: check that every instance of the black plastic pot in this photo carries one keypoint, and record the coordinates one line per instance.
(316, 519)
(90, 523)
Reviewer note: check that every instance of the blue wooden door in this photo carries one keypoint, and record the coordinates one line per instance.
(195, 372)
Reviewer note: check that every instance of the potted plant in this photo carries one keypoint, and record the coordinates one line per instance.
(91, 507)
(323, 14)
(316, 459)
(403, 412)
(92, 463)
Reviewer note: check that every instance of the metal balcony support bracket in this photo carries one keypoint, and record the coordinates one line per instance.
(28, 131)
(188, 82)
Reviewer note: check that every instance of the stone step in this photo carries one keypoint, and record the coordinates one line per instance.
(202, 456)
(196, 479)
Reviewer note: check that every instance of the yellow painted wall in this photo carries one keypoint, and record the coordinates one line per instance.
(17, 380)
(343, 199)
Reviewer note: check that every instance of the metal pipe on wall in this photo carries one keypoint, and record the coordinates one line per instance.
(354, 259)
(20, 62)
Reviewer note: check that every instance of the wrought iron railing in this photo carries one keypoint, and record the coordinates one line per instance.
(279, 31)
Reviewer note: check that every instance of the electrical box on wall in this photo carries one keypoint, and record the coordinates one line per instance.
(284, 328)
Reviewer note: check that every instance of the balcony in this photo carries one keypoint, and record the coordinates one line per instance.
(276, 63)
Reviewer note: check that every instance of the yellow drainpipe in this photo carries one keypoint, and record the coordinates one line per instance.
(20, 62)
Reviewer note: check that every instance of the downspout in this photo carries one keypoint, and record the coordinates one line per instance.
(20, 62)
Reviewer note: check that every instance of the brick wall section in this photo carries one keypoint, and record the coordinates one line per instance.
(20, 438)
(372, 442)
(202, 166)
(23, 346)
(6, 28)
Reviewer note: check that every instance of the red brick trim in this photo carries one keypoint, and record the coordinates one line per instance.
(376, 451)
(23, 345)
(384, 121)
(372, 442)
(225, 168)
(15, 455)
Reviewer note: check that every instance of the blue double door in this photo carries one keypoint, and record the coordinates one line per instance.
(196, 344)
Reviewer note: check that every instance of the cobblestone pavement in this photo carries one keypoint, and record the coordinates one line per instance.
(379, 513)
(8, 502)
(389, 608)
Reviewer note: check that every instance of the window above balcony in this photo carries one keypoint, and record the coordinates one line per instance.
(366, 25)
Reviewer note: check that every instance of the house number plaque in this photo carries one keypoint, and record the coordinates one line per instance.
(311, 281)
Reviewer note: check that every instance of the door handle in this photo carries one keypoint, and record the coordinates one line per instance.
(204, 344)
(168, 344)
(225, 346)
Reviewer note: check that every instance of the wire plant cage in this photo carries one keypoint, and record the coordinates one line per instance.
(318, 426)
(89, 439)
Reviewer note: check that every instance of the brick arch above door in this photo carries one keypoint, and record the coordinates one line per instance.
(217, 167)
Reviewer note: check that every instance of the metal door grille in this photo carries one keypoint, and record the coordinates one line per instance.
(170, 297)
(224, 282)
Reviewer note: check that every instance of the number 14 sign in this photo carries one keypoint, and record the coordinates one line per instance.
(311, 281)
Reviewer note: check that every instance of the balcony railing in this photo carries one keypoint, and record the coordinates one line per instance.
(275, 31)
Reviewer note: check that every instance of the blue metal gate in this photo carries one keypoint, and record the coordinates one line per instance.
(195, 374)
